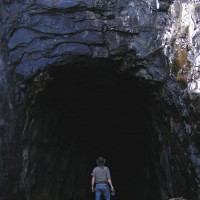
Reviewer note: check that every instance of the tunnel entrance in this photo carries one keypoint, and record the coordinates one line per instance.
(85, 111)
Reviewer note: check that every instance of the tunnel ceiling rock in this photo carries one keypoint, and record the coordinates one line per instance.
(51, 32)
(78, 67)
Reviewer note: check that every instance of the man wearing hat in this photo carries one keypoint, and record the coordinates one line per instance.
(101, 177)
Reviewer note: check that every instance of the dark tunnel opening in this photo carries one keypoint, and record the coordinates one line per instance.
(87, 111)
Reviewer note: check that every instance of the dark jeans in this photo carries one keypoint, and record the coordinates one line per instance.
(102, 188)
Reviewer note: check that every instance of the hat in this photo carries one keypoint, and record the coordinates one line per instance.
(101, 161)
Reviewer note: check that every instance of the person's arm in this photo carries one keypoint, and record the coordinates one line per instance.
(110, 182)
(92, 183)
(109, 179)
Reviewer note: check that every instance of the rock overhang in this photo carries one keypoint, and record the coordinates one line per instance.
(53, 32)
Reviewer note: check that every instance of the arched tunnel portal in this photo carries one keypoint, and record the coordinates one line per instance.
(79, 112)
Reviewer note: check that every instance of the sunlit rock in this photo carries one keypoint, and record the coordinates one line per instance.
(87, 78)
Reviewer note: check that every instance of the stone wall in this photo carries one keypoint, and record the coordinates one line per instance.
(153, 42)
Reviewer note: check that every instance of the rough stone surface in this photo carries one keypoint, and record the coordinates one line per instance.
(146, 47)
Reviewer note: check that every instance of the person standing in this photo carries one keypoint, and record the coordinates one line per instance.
(100, 179)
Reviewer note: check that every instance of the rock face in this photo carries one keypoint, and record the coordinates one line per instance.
(83, 78)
